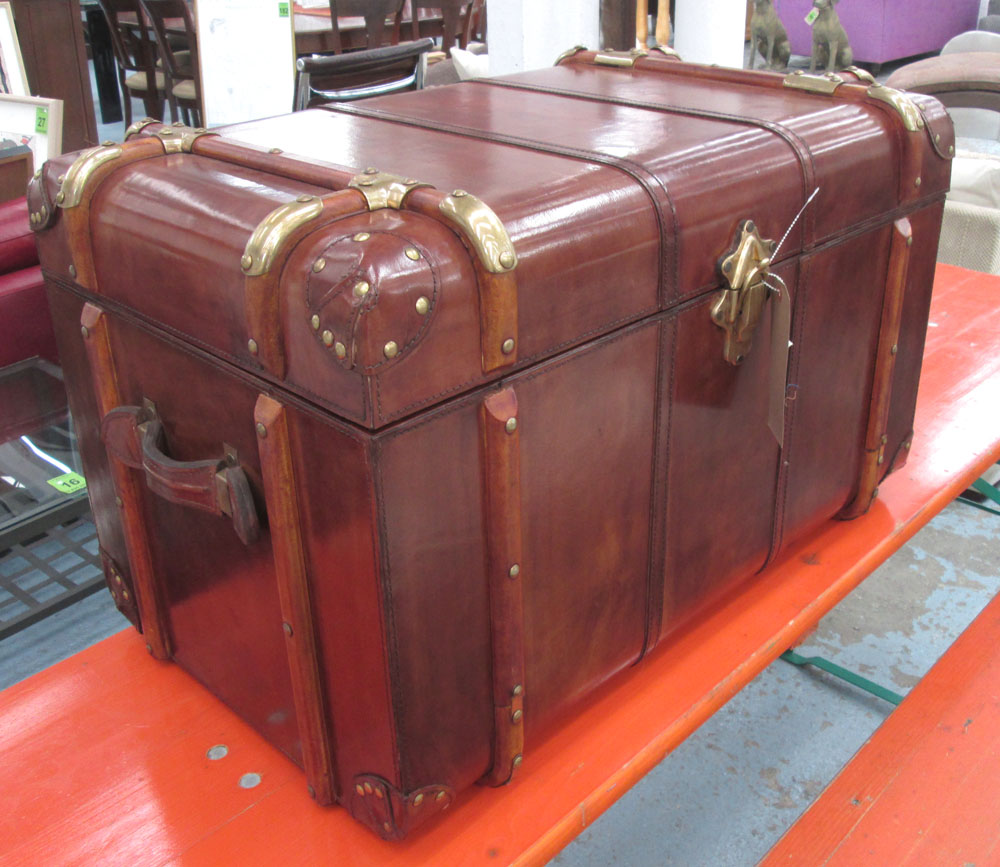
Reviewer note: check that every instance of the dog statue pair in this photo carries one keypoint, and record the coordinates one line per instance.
(830, 47)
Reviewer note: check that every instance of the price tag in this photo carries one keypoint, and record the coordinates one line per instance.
(69, 483)
(282, 10)
(812, 16)
(41, 119)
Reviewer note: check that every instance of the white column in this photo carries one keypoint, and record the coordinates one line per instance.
(711, 31)
(528, 34)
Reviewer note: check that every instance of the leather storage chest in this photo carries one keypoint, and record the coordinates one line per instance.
(408, 423)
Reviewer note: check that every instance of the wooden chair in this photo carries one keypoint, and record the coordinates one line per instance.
(375, 13)
(359, 74)
(180, 68)
(135, 57)
(455, 20)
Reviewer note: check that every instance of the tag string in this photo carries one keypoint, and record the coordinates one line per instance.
(792, 226)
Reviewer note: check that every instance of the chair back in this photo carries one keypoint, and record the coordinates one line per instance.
(455, 20)
(133, 49)
(375, 13)
(178, 65)
(972, 40)
(359, 74)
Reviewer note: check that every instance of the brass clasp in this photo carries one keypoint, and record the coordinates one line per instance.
(738, 309)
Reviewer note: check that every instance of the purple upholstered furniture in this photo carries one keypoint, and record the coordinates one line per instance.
(884, 30)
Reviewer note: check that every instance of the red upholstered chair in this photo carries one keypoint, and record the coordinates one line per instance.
(25, 322)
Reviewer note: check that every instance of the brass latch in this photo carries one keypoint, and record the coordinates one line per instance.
(738, 309)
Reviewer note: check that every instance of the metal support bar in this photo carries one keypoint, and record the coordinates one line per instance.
(837, 671)
(991, 492)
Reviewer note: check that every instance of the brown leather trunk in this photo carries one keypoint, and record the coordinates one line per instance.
(402, 472)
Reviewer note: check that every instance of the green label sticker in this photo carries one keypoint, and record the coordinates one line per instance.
(812, 16)
(282, 10)
(41, 119)
(69, 483)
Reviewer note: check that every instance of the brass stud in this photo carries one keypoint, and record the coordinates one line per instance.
(60, 179)
(423, 305)
(894, 349)
(44, 212)
(918, 181)
(368, 788)
(118, 578)
(360, 789)
(517, 690)
(410, 182)
(362, 236)
(439, 796)
(288, 628)
(378, 794)
(951, 149)
(367, 182)
(319, 265)
(390, 350)
(261, 430)
(875, 493)
(884, 439)
(459, 193)
(417, 801)
(361, 288)
(750, 227)
(516, 716)
(125, 594)
(328, 337)
(166, 132)
(311, 791)
(371, 170)
(177, 123)
(340, 349)
(246, 261)
(881, 459)
(937, 138)
(201, 130)
(304, 199)
(909, 241)
(274, 151)
(514, 571)
(33, 217)
(85, 331)
(37, 174)
(507, 347)
(118, 500)
(511, 425)
(107, 143)
(72, 270)
(314, 322)
(252, 346)
(388, 827)
(507, 259)
(412, 253)
(149, 648)
(517, 760)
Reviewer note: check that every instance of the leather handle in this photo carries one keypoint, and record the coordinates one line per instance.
(218, 486)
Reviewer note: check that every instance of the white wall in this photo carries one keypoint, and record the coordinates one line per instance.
(710, 31)
(552, 27)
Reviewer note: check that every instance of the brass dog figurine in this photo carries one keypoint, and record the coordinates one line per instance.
(830, 46)
(768, 36)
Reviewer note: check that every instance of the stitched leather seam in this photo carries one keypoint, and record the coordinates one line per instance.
(393, 686)
(639, 173)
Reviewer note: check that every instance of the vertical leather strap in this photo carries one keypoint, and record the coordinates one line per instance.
(501, 462)
(151, 599)
(284, 516)
(873, 459)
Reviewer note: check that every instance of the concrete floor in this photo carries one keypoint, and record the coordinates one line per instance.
(729, 792)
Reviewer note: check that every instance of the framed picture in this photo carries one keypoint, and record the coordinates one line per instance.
(35, 121)
(13, 79)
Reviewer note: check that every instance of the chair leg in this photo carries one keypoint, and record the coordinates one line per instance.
(153, 104)
(126, 98)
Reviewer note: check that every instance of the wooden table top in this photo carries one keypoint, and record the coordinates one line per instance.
(103, 757)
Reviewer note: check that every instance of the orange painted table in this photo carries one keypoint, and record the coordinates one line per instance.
(103, 756)
(925, 789)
